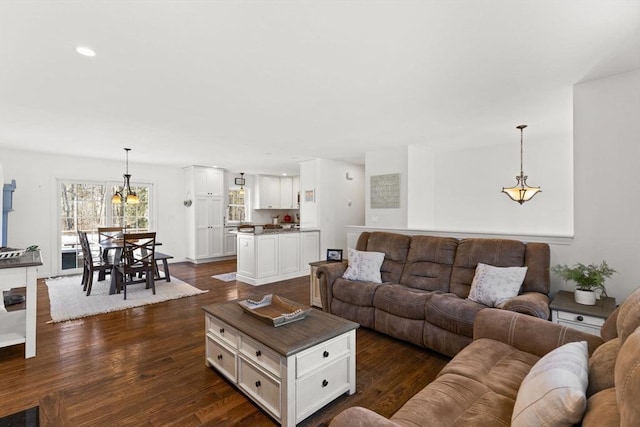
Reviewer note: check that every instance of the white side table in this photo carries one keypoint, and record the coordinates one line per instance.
(586, 318)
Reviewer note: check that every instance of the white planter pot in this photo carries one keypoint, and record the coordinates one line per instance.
(585, 297)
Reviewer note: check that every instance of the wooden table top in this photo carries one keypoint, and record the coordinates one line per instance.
(565, 301)
(288, 339)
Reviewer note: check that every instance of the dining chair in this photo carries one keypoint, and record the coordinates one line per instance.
(138, 256)
(106, 235)
(91, 265)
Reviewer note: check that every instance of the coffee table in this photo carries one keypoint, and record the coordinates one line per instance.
(290, 371)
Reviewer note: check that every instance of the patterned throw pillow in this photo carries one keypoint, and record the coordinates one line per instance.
(492, 286)
(364, 266)
(554, 391)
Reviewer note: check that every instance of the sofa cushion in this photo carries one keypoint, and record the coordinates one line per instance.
(429, 263)
(499, 366)
(627, 375)
(498, 252)
(395, 247)
(492, 285)
(554, 392)
(628, 315)
(364, 266)
(602, 410)
(356, 293)
(452, 313)
(401, 301)
(601, 366)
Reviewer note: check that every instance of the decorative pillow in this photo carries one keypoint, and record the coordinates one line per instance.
(364, 266)
(494, 285)
(554, 391)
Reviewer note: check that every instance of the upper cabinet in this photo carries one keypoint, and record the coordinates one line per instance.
(208, 181)
(274, 192)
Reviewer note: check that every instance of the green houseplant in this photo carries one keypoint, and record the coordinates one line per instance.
(588, 279)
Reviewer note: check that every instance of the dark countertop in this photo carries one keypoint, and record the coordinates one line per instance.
(29, 259)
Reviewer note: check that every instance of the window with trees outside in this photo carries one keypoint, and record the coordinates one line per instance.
(236, 209)
(86, 206)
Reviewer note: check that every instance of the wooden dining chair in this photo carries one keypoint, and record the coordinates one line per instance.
(108, 234)
(138, 256)
(91, 265)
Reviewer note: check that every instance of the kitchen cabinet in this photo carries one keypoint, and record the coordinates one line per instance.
(271, 257)
(230, 241)
(273, 192)
(205, 217)
(208, 181)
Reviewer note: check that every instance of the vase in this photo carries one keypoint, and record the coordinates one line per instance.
(585, 297)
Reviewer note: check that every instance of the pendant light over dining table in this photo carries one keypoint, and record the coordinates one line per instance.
(521, 192)
(126, 195)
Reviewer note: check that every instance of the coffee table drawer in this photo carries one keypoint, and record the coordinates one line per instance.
(223, 359)
(222, 331)
(591, 321)
(261, 354)
(321, 355)
(318, 389)
(260, 386)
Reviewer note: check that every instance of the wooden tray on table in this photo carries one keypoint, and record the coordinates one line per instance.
(275, 310)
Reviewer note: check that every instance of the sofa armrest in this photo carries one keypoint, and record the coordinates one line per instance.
(327, 275)
(527, 333)
(360, 417)
(531, 303)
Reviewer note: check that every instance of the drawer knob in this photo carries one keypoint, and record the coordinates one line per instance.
(222, 330)
(258, 353)
(580, 318)
(258, 383)
(219, 357)
(325, 383)
(325, 354)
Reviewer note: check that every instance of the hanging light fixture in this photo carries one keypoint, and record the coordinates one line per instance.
(126, 195)
(240, 181)
(521, 192)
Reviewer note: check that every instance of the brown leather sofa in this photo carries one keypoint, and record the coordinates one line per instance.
(426, 280)
(479, 386)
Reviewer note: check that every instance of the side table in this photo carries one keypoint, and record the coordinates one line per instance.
(586, 318)
(314, 292)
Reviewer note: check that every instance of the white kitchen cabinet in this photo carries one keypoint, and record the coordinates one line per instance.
(289, 245)
(230, 241)
(273, 192)
(286, 192)
(205, 216)
(270, 257)
(208, 181)
(267, 192)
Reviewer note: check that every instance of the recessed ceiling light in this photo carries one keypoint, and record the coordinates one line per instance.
(85, 51)
(284, 174)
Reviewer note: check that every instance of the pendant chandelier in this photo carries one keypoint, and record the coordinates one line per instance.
(521, 192)
(240, 181)
(126, 195)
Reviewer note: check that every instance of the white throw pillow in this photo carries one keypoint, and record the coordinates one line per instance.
(554, 391)
(364, 266)
(494, 285)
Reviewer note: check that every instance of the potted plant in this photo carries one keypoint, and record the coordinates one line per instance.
(588, 278)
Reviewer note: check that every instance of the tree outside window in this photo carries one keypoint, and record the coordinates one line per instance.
(236, 209)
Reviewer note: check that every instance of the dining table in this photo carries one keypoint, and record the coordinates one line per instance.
(116, 245)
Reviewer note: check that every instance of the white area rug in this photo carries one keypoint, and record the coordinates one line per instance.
(227, 277)
(68, 301)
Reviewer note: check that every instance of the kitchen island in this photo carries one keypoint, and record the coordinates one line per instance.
(272, 255)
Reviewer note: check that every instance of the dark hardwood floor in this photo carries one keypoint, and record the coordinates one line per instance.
(145, 366)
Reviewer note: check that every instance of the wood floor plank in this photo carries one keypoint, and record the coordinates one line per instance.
(145, 366)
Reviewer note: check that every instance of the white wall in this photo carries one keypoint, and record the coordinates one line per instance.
(339, 201)
(421, 187)
(34, 220)
(607, 187)
(385, 162)
(1, 199)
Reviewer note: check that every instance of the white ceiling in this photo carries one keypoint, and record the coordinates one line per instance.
(259, 86)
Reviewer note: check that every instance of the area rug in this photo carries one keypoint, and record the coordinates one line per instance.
(226, 277)
(68, 301)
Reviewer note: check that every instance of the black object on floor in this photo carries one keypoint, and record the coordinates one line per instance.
(13, 300)
(27, 418)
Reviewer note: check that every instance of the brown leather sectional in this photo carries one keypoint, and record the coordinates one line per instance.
(426, 281)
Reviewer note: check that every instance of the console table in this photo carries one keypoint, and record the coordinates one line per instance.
(290, 371)
(18, 327)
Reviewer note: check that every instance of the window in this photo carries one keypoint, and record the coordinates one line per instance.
(236, 209)
(86, 206)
